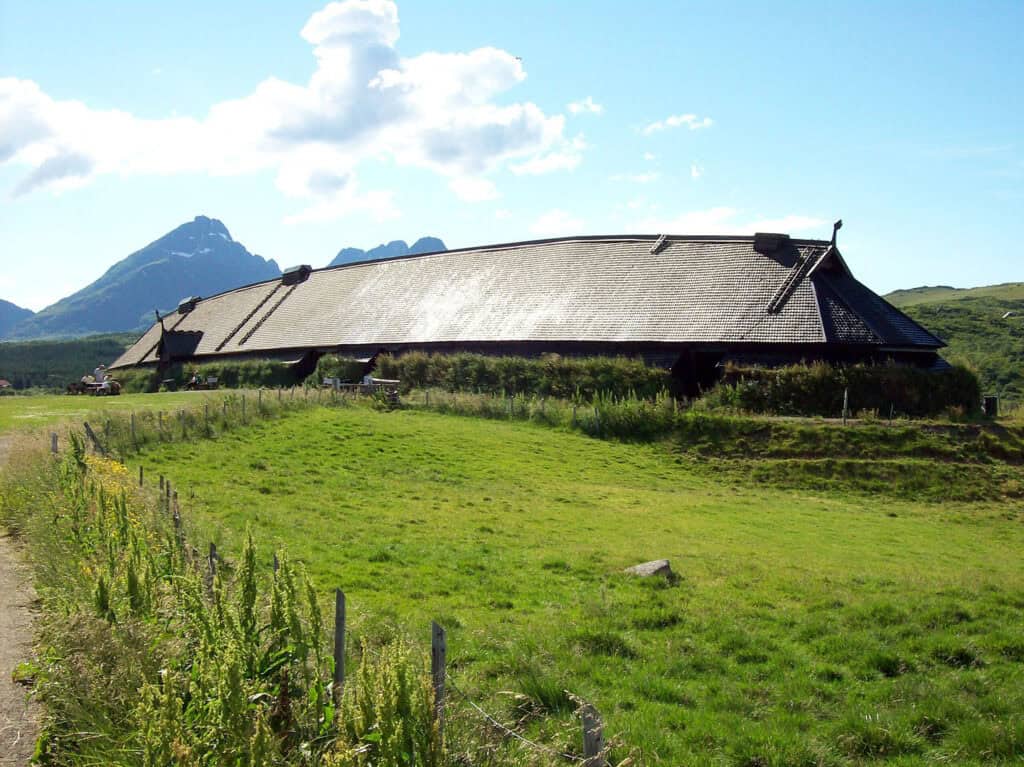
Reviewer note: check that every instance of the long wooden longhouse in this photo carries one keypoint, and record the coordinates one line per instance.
(685, 302)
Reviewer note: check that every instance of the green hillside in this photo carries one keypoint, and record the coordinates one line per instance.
(1007, 291)
(984, 328)
(55, 364)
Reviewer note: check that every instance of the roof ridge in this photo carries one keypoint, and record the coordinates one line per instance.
(574, 238)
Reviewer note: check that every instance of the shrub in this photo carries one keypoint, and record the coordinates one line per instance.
(579, 378)
(244, 374)
(335, 366)
(248, 374)
(817, 389)
(137, 380)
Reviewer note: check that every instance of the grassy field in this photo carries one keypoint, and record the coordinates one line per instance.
(806, 628)
(33, 411)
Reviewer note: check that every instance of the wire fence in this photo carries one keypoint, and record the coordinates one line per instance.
(508, 731)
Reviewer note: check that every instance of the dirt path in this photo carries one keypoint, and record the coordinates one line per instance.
(17, 715)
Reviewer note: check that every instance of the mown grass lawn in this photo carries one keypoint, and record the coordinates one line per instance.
(32, 411)
(806, 628)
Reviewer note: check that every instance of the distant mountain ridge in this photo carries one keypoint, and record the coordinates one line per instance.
(11, 315)
(393, 249)
(197, 258)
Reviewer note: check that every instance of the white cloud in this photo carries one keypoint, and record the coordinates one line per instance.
(556, 222)
(585, 106)
(726, 220)
(364, 103)
(691, 121)
(696, 171)
(637, 178)
(650, 156)
(547, 163)
(473, 189)
(502, 214)
(567, 157)
(377, 204)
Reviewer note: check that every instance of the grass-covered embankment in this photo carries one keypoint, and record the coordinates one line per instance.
(922, 460)
(807, 627)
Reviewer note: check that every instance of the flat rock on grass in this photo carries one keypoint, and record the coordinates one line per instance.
(656, 567)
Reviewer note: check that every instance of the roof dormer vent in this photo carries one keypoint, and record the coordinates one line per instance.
(186, 305)
(296, 274)
(769, 242)
(660, 244)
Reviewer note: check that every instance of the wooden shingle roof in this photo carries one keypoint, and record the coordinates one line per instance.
(582, 289)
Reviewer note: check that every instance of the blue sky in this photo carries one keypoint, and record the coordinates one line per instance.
(307, 127)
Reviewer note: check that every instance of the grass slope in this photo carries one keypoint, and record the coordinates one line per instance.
(1007, 291)
(972, 322)
(979, 336)
(807, 628)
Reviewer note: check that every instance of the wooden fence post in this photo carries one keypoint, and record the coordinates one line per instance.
(846, 403)
(176, 517)
(593, 737)
(339, 643)
(211, 561)
(438, 660)
(53, 442)
(161, 484)
(96, 444)
(140, 476)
